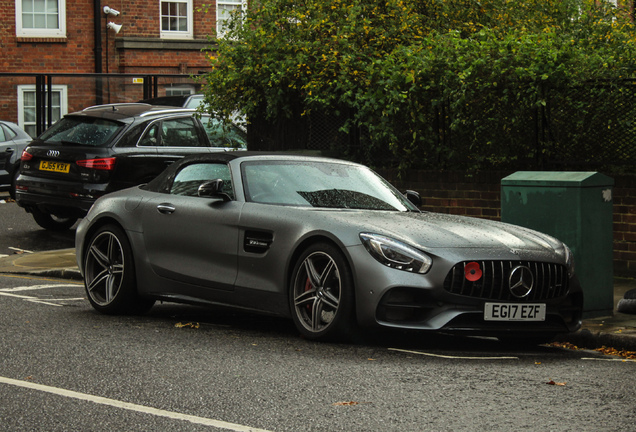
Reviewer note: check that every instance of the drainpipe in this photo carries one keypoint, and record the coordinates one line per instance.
(97, 28)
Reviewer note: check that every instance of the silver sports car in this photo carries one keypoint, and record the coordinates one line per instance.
(326, 242)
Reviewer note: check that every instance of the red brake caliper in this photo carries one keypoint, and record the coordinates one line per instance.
(307, 288)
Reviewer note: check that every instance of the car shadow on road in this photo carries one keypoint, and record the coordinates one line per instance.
(265, 327)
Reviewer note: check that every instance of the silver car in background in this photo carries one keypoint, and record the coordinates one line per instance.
(326, 242)
(13, 141)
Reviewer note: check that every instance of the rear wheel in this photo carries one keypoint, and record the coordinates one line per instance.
(109, 274)
(321, 294)
(51, 222)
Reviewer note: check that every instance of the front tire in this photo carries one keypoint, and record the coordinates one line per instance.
(109, 274)
(321, 294)
(52, 222)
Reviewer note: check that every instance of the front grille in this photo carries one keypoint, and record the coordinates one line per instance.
(550, 281)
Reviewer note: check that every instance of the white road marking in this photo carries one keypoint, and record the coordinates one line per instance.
(37, 287)
(453, 357)
(17, 295)
(623, 360)
(130, 406)
(9, 292)
(20, 250)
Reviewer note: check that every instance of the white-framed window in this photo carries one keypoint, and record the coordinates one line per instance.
(180, 90)
(27, 106)
(176, 19)
(40, 18)
(224, 9)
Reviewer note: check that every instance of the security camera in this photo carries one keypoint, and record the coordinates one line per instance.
(109, 11)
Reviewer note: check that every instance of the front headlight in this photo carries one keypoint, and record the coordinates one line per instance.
(395, 254)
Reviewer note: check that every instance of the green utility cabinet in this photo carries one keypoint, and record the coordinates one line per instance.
(576, 208)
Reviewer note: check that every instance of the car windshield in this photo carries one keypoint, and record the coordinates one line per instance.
(82, 131)
(320, 184)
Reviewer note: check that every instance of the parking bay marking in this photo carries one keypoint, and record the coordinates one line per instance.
(131, 406)
(453, 357)
(10, 292)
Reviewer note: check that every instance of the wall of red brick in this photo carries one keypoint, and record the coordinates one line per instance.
(625, 225)
(140, 18)
(140, 21)
(75, 53)
(479, 195)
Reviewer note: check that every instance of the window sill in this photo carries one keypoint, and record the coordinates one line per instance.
(33, 39)
(161, 44)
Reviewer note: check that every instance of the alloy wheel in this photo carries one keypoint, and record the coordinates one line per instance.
(317, 291)
(104, 268)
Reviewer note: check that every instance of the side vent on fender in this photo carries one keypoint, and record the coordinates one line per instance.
(257, 241)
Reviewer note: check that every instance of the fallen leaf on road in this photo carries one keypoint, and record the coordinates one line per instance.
(551, 382)
(566, 345)
(350, 403)
(620, 353)
(189, 325)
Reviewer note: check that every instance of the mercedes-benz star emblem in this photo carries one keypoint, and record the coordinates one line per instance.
(521, 281)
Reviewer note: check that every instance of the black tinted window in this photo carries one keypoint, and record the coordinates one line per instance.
(180, 132)
(82, 131)
(150, 137)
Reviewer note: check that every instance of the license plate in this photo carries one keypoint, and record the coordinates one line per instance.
(54, 166)
(514, 312)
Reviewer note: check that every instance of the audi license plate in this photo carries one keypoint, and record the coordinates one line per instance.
(54, 166)
(514, 312)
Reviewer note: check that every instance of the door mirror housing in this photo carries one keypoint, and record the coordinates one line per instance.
(213, 189)
(413, 197)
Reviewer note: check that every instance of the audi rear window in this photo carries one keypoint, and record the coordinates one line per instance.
(82, 131)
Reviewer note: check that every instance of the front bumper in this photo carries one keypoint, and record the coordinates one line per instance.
(392, 298)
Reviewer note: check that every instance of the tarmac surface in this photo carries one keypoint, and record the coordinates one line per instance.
(616, 331)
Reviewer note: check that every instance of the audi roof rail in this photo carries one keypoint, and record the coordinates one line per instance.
(167, 111)
(114, 105)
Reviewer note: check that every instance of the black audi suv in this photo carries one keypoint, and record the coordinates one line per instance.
(109, 147)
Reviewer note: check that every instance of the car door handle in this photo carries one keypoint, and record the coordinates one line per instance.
(166, 208)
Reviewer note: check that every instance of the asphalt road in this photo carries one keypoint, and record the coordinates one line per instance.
(64, 367)
(18, 231)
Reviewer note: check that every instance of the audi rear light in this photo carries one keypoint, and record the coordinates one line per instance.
(26, 155)
(105, 164)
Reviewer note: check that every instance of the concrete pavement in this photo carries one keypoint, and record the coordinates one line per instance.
(616, 331)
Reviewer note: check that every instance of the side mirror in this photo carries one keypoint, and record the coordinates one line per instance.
(413, 197)
(213, 189)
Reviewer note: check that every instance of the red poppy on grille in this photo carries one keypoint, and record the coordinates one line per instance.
(472, 272)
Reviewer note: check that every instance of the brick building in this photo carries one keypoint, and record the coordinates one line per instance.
(143, 37)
